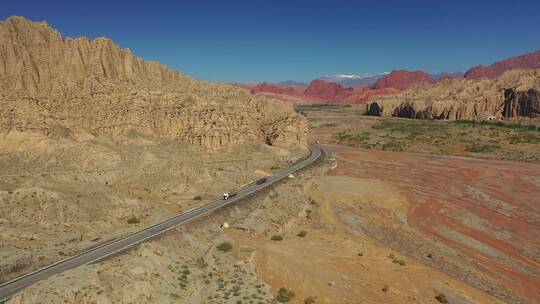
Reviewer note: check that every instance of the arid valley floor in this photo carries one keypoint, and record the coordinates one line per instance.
(365, 225)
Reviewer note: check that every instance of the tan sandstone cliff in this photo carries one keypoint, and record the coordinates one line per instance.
(95, 87)
(465, 99)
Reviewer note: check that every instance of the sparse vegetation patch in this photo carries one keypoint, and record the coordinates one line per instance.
(276, 237)
(225, 247)
(485, 139)
(133, 220)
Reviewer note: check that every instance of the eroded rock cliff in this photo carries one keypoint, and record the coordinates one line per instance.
(94, 87)
(525, 104)
(461, 98)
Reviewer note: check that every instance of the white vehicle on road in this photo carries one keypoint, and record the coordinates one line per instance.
(227, 196)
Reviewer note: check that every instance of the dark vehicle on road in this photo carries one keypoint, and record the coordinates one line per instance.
(261, 181)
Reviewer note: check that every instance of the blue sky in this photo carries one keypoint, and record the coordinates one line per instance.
(265, 40)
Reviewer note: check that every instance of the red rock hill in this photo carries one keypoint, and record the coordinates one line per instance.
(401, 80)
(327, 91)
(527, 61)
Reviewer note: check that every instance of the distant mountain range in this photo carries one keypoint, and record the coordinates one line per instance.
(292, 83)
(353, 88)
(356, 81)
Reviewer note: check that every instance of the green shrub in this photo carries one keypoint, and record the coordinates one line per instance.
(276, 237)
(284, 295)
(133, 220)
(225, 247)
(302, 233)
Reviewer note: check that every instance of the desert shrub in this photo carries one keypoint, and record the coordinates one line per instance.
(133, 220)
(309, 300)
(276, 237)
(399, 262)
(284, 295)
(225, 247)
(302, 233)
(441, 298)
(197, 198)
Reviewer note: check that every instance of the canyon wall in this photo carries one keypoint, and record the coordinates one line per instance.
(94, 87)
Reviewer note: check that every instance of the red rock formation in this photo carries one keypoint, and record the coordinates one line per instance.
(271, 88)
(527, 62)
(401, 79)
(328, 92)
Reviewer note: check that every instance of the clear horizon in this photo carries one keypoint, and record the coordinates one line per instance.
(274, 41)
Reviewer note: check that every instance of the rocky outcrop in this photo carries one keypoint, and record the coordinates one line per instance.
(524, 62)
(95, 87)
(521, 104)
(464, 99)
(401, 79)
(327, 92)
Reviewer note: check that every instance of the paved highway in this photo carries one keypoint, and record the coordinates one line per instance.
(113, 247)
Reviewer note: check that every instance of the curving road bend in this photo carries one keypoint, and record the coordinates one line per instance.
(8, 289)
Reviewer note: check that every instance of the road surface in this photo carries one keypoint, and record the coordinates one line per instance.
(8, 289)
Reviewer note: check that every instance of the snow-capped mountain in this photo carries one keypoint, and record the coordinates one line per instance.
(353, 79)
